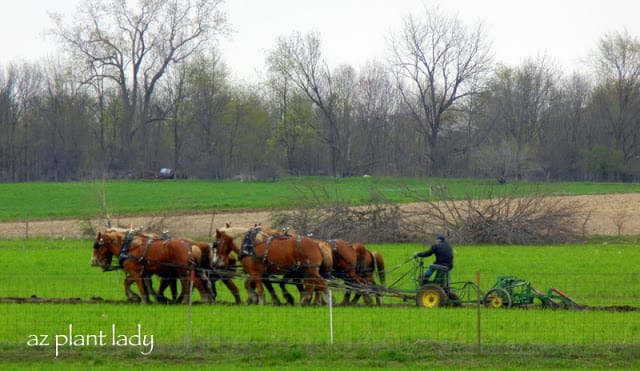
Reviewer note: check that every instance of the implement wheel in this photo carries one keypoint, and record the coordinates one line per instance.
(497, 298)
(431, 296)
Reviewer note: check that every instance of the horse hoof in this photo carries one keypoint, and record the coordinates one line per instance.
(162, 300)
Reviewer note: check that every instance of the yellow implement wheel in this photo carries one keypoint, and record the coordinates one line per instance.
(497, 298)
(431, 296)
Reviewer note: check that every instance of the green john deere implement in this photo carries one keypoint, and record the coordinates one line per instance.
(511, 291)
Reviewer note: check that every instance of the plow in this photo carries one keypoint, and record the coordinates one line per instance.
(506, 292)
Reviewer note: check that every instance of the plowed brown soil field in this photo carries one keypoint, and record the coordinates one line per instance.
(607, 215)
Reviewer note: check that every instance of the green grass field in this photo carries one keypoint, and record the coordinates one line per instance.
(399, 335)
(402, 334)
(89, 199)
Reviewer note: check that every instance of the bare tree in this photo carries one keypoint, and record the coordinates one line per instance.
(21, 124)
(569, 129)
(299, 59)
(376, 102)
(438, 62)
(208, 96)
(522, 99)
(293, 123)
(617, 98)
(10, 111)
(132, 46)
(175, 92)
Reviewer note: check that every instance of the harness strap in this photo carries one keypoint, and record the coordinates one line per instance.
(265, 257)
(124, 248)
(143, 258)
(248, 243)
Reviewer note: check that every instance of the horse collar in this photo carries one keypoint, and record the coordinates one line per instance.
(248, 246)
(124, 248)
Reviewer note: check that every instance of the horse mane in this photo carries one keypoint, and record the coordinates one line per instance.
(136, 232)
(119, 229)
(234, 232)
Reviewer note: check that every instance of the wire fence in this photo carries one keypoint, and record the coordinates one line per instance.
(63, 313)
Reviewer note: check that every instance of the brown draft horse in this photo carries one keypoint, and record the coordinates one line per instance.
(295, 277)
(164, 281)
(368, 262)
(205, 255)
(263, 255)
(201, 254)
(140, 256)
(341, 264)
(345, 264)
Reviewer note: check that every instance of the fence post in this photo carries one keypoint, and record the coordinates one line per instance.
(187, 341)
(478, 321)
(330, 317)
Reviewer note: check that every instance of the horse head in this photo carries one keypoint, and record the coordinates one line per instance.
(238, 239)
(228, 240)
(106, 245)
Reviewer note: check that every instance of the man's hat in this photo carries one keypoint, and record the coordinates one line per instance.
(440, 238)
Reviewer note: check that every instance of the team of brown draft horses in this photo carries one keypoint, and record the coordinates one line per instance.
(266, 256)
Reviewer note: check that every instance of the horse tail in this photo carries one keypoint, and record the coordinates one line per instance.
(327, 259)
(196, 253)
(379, 262)
(205, 254)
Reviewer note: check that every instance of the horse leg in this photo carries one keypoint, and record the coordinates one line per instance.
(128, 281)
(355, 299)
(250, 287)
(148, 284)
(164, 283)
(347, 298)
(367, 299)
(185, 295)
(173, 286)
(189, 278)
(214, 291)
(234, 290)
(185, 288)
(274, 297)
(140, 281)
(296, 278)
(321, 291)
(287, 296)
(378, 299)
(307, 294)
(260, 290)
(206, 291)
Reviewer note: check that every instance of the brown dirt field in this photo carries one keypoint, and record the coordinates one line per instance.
(609, 215)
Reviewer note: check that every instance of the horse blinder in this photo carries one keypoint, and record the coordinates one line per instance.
(98, 244)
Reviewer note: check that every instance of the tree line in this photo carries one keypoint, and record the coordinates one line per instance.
(140, 88)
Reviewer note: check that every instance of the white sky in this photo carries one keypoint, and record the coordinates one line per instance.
(356, 31)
